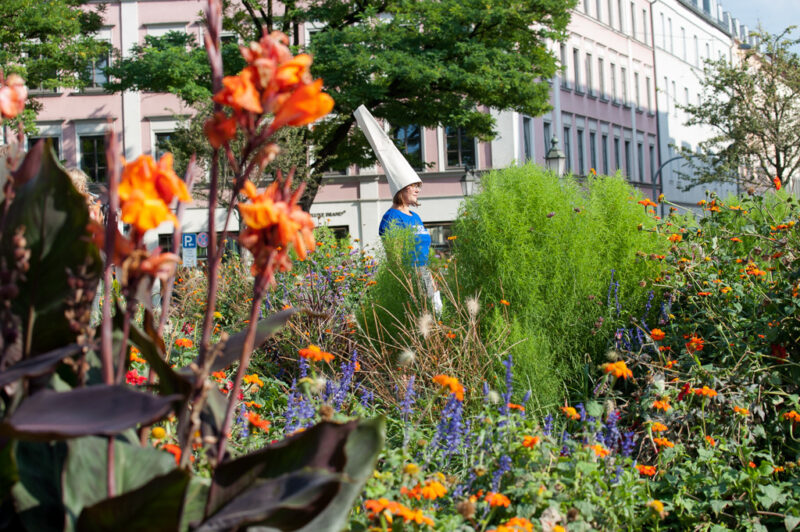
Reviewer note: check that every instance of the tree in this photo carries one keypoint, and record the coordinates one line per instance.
(753, 106)
(50, 43)
(425, 63)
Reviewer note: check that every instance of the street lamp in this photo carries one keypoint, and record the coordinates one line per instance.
(555, 159)
(468, 181)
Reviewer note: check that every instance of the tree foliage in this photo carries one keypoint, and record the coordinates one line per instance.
(426, 63)
(753, 106)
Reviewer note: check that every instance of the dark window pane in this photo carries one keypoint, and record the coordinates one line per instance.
(409, 140)
(93, 158)
(162, 144)
(460, 147)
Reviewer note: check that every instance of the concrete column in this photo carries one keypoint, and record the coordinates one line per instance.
(131, 103)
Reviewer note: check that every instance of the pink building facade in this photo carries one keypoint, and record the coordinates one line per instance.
(605, 116)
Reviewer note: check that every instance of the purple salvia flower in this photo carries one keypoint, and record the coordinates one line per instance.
(303, 367)
(581, 410)
(503, 467)
(407, 405)
(548, 425)
(242, 421)
(628, 443)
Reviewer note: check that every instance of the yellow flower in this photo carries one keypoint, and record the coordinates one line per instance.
(411, 469)
(254, 379)
(218, 315)
(158, 433)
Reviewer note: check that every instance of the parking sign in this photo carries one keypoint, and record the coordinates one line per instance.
(189, 240)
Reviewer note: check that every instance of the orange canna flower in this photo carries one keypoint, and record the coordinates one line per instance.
(145, 190)
(497, 499)
(219, 129)
(657, 334)
(306, 104)
(239, 92)
(293, 72)
(530, 441)
(452, 384)
(314, 353)
(13, 96)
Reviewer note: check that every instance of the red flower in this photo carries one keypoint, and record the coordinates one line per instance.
(777, 182)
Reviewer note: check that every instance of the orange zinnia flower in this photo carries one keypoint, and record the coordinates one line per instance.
(452, 384)
(675, 238)
(705, 390)
(661, 405)
(239, 92)
(433, 490)
(256, 421)
(777, 182)
(305, 105)
(513, 406)
(504, 302)
(711, 441)
(695, 343)
(741, 411)
(599, 450)
(658, 427)
(174, 450)
(657, 334)
(663, 442)
(530, 441)
(618, 369)
(570, 412)
(497, 499)
(646, 470)
(13, 96)
(793, 416)
(314, 353)
(184, 342)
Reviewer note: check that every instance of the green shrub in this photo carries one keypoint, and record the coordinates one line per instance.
(546, 248)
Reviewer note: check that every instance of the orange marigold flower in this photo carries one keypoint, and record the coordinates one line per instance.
(530, 441)
(433, 489)
(618, 369)
(751, 465)
(661, 405)
(741, 411)
(704, 294)
(415, 516)
(452, 384)
(711, 441)
(570, 412)
(656, 505)
(415, 493)
(658, 427)
(314, 353)
(219, 375)
(778, 469)
(695, 343)
(497, 499)
(647, 203)
(670, 364)
(663, 442)
(13, 96)
(675, 238)
(657, 334)
(792, 415)
(599, 450)
(514, 406)
(254, 379)
(255, 420)
(646, 470)
(515, 524)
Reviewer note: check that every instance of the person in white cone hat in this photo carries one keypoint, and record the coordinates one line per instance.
(404, 184)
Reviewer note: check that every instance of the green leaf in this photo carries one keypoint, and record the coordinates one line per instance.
(152, 349)
(37, 495)
(717, 505)
(594, 409)
(86, 469)
(154, 507)
(54, 216)
(791, 522)
(769, 495)
(194, 503)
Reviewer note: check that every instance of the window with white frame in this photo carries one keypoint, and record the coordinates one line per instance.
(589, 84)
(633, 20)
(621, 16)
(599, 10)
(613, 81)
(159, 30)
(644, 26)
(564, 66)
(51, 132)
(576, 72)
(547, 136)
(610, 13)
(95, 75)
(623, 75)
(636, 90)
(683, 40)
(90, 137)
(409, 140)
(671, 40)
(601, 77)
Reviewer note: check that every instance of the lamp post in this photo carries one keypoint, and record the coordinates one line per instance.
(468, 181)
(555, 159)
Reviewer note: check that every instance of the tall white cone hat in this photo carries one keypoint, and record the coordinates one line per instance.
(399, 172)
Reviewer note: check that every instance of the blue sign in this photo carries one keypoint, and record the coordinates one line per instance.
(189, 240)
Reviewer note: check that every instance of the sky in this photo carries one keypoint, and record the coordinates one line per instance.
(774, 15)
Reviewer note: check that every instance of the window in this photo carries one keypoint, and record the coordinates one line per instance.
(96, 72)
(652, 162)
(547, 137)
(633, 20)
(671, 40)
(567, 150)
(621, 16)
(686, 95)
(55, 140)
(439, 233)
(589, 84)
(675, 98)
(593, 149)
(614, 81)
(408, 140)
(683, 40)
(640, 165)
(599, 13)
(576, 79)
(644, 25)
(610, 13)
(696, 52)
(165, 241)
(708, 51)
(586, 6)
(460, 147)
(663, 33)
(527, 137)
(623, 76)
(581, 157)
(617, 158)
(601, 77)
(628, 158)
(162, 144)
(564, 82)
(666, 95)
(604, 148)
(636, 90)
(93, 157)
(649, 98)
